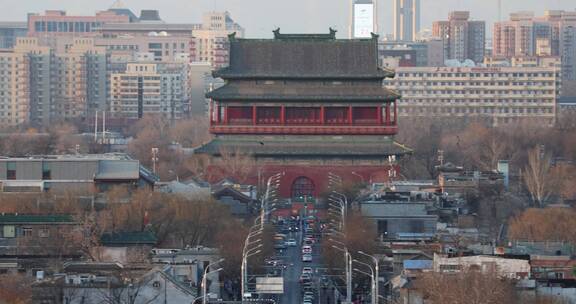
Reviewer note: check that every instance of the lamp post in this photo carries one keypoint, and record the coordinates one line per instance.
(360, 176)
(371, 274)
(348, 259)
(255, 230)
(272, 186)
(206, 272)
(154, 159)
(376, 273)
(339, 204)
(244, 267)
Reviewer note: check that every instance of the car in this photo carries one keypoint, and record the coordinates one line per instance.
(307, 258)
(279, 246)
(272, 262)
(304, 278)
(306, 249)
(290, 242)
(307, 270)
(309, 298)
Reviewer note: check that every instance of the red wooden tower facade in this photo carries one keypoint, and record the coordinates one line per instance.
(306, 105)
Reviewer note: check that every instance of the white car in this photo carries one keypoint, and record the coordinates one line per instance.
(306, 249)
(290, 242)
(307, 258)
(307, 270)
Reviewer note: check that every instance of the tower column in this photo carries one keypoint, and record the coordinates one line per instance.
(350, 116)
(395, 113)
(379, 116)
(254, 118)
(225, 115)
(387, 114)
(322, 115)
(283, 115)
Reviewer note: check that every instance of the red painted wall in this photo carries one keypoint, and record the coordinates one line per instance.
(318, 174)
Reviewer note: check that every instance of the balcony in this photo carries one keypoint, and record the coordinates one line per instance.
(306, 129)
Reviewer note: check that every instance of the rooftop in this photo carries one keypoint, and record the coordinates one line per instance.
(303, 56)
(286, 91)
(34, 219)
(315, 146)
(128, 238)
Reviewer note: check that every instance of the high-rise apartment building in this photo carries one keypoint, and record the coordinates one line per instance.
(406, 19)
(462, 38)
(212, 38)
(499, 95)
(393, 54)
(41, 84)
(550, 35)
(55, 24)
(25, 88)
(150, 88)
(79, 79)
(9, 31)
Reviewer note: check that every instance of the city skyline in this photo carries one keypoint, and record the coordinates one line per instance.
(272, 14)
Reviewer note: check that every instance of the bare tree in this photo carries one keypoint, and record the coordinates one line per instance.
(548, 224)
(540, 178)
(15, 289)
(471, 287)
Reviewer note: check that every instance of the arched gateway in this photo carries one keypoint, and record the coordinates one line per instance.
(302, 187)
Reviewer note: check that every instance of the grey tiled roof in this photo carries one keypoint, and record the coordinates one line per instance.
(282, 91)
(304, 57)
(304, 148)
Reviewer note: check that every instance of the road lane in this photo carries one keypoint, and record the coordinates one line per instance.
(292, 274)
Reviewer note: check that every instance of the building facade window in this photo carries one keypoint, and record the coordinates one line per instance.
(46, 171)
(11, 170)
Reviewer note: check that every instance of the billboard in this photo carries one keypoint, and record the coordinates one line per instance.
(270, 285)
(363, 20)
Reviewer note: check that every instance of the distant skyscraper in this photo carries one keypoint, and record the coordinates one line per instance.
(406, 19)
(463, 39)
(363, 18)
(526, 35)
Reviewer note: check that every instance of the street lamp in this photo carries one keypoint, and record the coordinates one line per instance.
(206, 272)
(376, 272)
(348, 259)
(154, 159)
(374, 289)
(361, 177)
(244, 267)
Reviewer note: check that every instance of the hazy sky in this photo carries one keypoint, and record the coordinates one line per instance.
(260, 17)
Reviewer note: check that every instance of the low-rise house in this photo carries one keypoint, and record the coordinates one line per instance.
(99, 282)
(240, 204)
(552, 267)
(82, 174)
(188, 265)
(188, 190)
(503, 267)
(25, 235)
(125, 247)
(413, 268)
(400, 221)
(454, 180)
